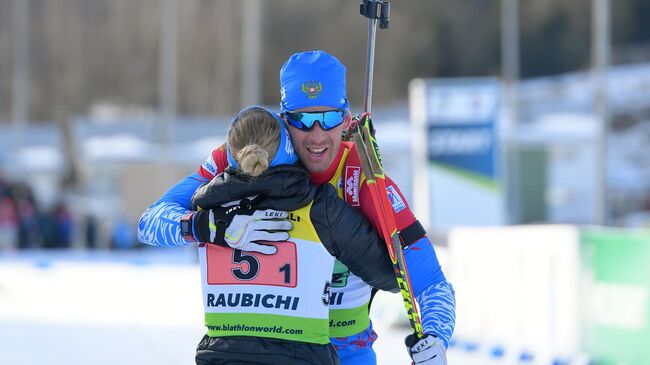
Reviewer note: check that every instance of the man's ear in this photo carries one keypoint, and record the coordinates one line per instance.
(284, 119)
(347, 133)
(348, 121)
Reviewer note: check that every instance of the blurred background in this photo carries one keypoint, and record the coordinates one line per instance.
(518, 130)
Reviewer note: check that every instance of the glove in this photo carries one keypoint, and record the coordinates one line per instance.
(240, 226)
(363, 123)
(245, 230)
(428, 350)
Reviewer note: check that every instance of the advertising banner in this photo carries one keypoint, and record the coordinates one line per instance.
(457, 179)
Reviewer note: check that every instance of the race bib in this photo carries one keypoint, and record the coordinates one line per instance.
(227, 266)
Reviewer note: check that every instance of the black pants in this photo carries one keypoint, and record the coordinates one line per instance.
(244, 350)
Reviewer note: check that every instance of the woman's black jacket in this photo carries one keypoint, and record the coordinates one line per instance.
(344, 231)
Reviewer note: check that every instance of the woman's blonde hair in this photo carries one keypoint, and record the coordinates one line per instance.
(253, 140)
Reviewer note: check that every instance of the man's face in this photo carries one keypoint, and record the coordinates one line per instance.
(316, 147)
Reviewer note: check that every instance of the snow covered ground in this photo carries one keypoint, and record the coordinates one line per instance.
(141, 308)
(130, 309)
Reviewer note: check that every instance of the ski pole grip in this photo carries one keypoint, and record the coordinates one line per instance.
(374, 9)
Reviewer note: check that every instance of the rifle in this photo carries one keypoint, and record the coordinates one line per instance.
(370, 158)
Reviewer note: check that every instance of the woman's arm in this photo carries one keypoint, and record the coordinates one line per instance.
(349, 236)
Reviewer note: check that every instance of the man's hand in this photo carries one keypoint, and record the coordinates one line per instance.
(263, 225)
(240, 227)
(428, 350)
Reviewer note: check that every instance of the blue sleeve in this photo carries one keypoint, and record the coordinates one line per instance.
(160, 224)
(434, 295)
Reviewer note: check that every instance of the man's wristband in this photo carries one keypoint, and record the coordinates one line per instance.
(186, 227)
(412, 234)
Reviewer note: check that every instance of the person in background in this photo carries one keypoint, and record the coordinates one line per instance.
(122, 235)
(64, 225)
(91, 231)
(29, 233)
(8, 224)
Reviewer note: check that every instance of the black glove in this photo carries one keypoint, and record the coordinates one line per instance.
(210, 225)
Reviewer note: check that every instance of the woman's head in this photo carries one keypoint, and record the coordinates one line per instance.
(257, 139)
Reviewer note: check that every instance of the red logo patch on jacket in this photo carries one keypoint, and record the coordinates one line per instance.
(352, 179)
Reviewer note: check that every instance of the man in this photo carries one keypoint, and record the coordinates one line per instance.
(315, 107)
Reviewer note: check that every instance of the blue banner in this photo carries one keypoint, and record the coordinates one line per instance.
(461, 119)
(470, 147)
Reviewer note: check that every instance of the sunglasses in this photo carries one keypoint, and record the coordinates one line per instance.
(306, 120)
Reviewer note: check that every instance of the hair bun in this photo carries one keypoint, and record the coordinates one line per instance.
(253, 160)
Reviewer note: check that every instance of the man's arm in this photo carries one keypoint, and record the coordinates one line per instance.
(434, 295)
(216, 162)
(160, 224)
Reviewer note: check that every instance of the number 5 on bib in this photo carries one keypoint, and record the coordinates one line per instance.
(227, 266)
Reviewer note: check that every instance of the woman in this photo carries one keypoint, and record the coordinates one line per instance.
(273, 309)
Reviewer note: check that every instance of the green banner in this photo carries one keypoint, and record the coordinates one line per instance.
(617, 307)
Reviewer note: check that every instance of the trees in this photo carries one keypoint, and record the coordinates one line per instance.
(85, 52)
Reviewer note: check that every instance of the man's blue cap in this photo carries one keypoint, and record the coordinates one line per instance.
(312, 78)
